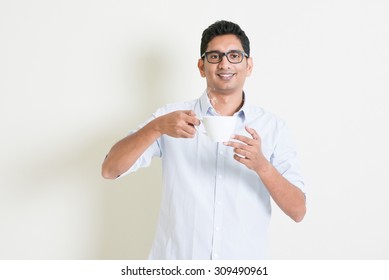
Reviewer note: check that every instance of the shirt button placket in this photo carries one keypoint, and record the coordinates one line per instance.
(218, 206)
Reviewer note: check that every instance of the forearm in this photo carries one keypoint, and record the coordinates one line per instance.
(125, 152)
(122, 156)
(287, 196)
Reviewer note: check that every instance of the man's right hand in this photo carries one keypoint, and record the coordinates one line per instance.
(178, 124)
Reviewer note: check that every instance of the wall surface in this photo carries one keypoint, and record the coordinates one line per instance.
(76, 76)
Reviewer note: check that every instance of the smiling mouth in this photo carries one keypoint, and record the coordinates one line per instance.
(226, 76)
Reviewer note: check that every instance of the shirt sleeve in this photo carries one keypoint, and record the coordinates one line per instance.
(152, 151)
(285, 159)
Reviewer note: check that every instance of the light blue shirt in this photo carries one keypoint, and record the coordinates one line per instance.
(214, 207)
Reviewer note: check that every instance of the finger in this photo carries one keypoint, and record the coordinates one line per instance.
(191, 113)
(189, 129)
(244, 139)
(187, 134)
(242, 153)
(247, 151)
(252, 132)
(235, 144)
(194, 121)
(191, 118)
(242, 160)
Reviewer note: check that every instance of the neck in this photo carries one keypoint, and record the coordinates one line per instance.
(226, 105)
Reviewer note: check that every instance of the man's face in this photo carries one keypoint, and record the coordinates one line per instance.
(225, 77)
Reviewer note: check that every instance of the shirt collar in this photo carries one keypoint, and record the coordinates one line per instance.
(206, 107)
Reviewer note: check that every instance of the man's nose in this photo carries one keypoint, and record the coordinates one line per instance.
(224, 61)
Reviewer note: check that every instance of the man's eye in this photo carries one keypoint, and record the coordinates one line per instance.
(234, 55)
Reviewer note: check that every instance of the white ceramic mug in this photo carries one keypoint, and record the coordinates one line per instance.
(219, 128)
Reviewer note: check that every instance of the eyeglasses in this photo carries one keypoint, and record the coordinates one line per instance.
(233, 56)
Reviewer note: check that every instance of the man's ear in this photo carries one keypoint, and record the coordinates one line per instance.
(250, 66)
(200, 65)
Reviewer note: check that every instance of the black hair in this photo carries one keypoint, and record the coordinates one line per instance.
(223, 27)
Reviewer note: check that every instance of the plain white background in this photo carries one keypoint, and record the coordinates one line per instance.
(75, 76)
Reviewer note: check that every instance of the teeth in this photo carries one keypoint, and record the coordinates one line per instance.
(225, 75)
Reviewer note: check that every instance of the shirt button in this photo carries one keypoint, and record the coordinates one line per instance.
(220, 176)
(219, 202)
(221, 152)
(217, 228)
(215, 256)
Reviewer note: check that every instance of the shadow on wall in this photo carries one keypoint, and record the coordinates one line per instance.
(61, 208)
(129, 214)
(131, 203)
(154, 78)
(71, 212)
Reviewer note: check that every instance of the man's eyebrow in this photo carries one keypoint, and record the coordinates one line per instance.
(226, 51)
(231, 50)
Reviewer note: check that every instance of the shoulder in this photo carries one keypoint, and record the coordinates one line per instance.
(259, 114)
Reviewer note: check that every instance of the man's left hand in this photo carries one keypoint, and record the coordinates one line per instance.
(248, 150)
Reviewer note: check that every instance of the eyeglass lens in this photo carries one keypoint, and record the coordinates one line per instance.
(232, 56)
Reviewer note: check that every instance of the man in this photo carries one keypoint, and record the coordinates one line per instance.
(216, 196)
